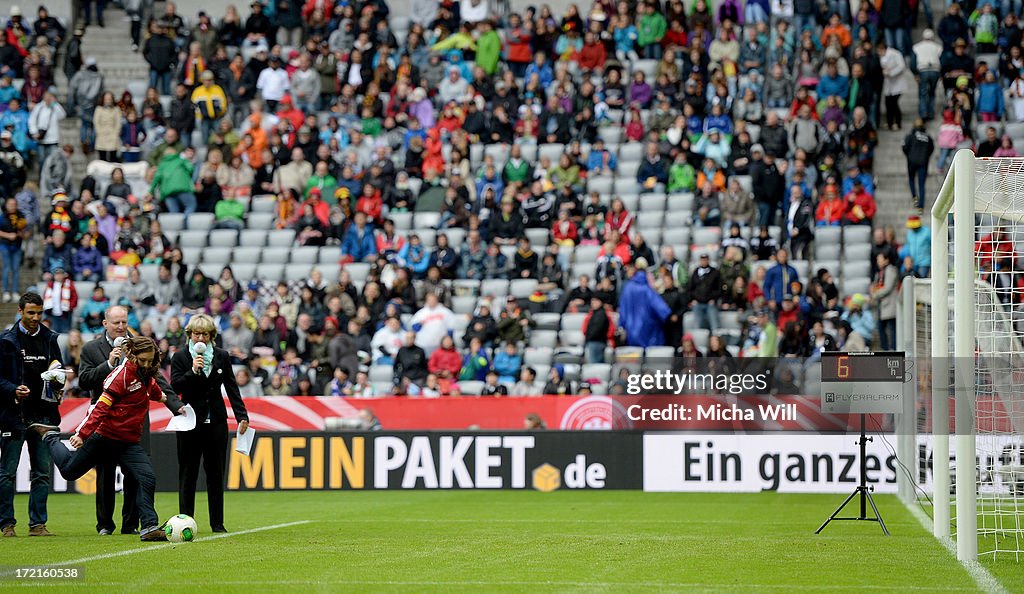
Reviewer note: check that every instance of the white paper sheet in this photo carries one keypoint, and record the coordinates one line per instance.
(183, 422)
(243, 441)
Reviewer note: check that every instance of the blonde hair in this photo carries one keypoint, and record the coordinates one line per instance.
(202, 323)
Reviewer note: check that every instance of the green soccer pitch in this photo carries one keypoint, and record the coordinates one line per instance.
(505, 541)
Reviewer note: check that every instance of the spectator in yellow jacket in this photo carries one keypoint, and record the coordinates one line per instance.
(211, 104)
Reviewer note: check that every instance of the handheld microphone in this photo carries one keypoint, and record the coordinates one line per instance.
(200, 348)
(119, 342)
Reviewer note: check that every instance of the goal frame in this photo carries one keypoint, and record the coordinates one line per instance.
(956, 197)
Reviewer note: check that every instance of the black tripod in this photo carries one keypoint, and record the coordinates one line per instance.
(863, 490)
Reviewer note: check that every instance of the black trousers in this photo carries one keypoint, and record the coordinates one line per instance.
(893, 113)
(98, 449)
(106, 472)
(207, 443)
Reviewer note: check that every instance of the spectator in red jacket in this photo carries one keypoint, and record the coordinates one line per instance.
(593, 55)
(860, 205)
(370, 203)
(994, 246)
(445, 362)
(830, 209)
(59, 300)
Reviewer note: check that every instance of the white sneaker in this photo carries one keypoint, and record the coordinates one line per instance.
(7, 297)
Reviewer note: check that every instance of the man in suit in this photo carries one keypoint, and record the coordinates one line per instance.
(198, 374)
(99, 358)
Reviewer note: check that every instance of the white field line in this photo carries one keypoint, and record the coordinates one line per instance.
(159, 546)
(978, 572)
(717, 587)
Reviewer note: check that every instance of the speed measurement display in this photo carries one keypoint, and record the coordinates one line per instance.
(862, 382)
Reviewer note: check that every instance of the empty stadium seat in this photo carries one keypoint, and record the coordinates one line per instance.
(252, 238)
(281, 238)
(305, 255)
(225, 238)
(200, 221)
(260, 220)
(172, 221)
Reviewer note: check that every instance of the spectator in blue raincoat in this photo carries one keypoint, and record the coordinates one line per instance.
(642, 312)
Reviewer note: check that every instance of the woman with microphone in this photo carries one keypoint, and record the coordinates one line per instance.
(198, 373)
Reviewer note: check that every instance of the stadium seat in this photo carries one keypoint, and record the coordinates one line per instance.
(857, 268)
(539, 238)
(521, 288)
(495, 286)
(631, 151)
(328, 255)
(358, 270)
(659, 354)
(625, 175)
(471, 387)
(546, 320)
(456, 237)
(552, 151)
(831, 265)
(544, 339)
(427, 236)
(282, 238)
(225, 238)
(573, 321)
(855, 285)
(402, 220)
(630, 200)
(211, 270)
(260, 220)
(246, 254)
(305, 255)
(466, 286)
(217, 255)
(707, 236)
(599, 371)
(192, 240)
(730, 320)
(680, 202)
(611, 134)
(855, 234)
(294, 273)
(263, 204)
(270, 273)
(464, 305)
(826, 250)
(654, 203)
(252, 238)
(674, 234)
(803, 268)
(533, 356)
(427, 220)
(172, 221)
(857, 251)
(200, 221)
(149, 273)
(244, 271)
(586, 254)
(603, 185)
(272, 255)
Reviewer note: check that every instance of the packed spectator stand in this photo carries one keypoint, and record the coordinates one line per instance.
(468, 198)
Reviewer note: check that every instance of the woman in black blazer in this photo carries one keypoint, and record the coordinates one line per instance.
(198, 379)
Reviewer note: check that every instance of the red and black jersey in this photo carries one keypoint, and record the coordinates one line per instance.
(120, 411)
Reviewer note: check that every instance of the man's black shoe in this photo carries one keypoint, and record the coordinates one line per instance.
(219, 529)
(131, 532)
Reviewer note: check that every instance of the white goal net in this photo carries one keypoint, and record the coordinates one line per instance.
(975, 335)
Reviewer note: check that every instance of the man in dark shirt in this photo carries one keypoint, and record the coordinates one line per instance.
(27, 350)
(597, 330)
(988, 147)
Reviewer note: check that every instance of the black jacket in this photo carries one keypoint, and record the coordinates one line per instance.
(203, 392)
(918, 147)
(183, 115)
(93, 369)
(410, 362)
(159, 53)
(769, 184)
(705, 288)
(13, 413)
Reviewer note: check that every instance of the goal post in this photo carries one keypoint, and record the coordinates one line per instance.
(975, 306)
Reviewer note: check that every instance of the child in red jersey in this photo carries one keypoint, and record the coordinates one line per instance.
(114, 427)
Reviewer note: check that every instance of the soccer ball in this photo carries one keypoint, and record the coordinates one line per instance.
(181, 528)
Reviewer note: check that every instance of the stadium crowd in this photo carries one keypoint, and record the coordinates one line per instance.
(646, 175)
